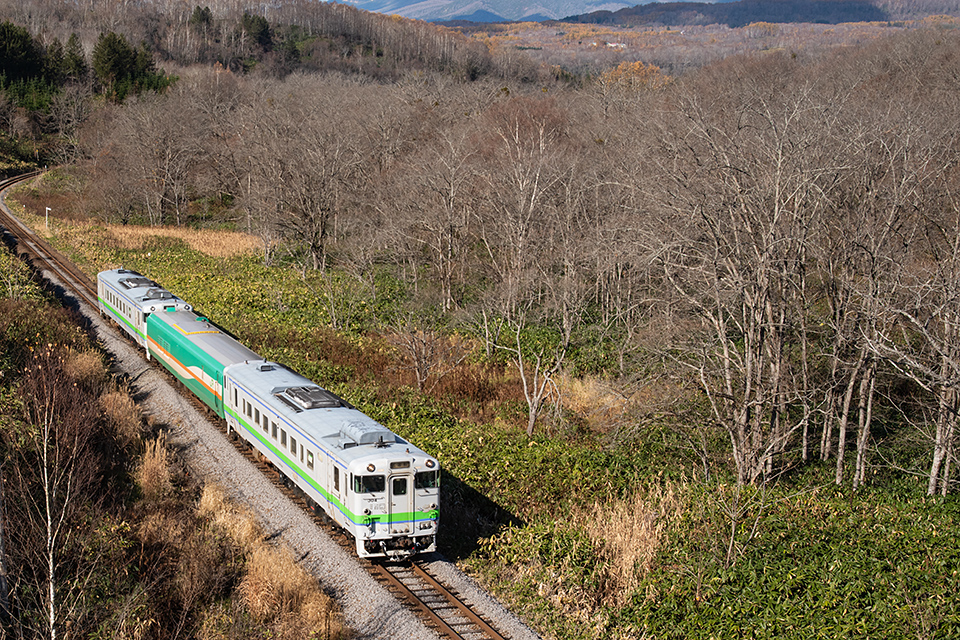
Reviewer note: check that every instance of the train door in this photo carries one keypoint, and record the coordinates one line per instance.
(336, 484)
(401, 502)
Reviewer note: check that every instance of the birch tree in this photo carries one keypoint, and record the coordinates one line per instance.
(55, 476)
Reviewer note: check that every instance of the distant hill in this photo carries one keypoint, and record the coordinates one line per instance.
(630, 12)
(743, 12)
(487, 10)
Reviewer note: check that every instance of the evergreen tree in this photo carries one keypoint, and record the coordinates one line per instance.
(257, 29)
(202, 19)
(75, 62)
(21, 56)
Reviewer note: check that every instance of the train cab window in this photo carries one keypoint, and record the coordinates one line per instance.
(309, 459)
(283, 438)
(369, 484)
(399, 486)
(426, 480)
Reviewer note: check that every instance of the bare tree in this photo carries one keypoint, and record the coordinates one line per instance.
(159, 141)
(746, 173)
(304, 155)
(56, 476)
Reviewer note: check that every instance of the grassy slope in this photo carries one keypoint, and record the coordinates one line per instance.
(545, 521)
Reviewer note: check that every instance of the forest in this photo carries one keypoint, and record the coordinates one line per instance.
(753, 263)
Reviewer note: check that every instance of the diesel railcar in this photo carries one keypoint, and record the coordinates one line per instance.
(129, 298)
(381, 489)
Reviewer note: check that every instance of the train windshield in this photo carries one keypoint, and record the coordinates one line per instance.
(427, 479)
(369, 484)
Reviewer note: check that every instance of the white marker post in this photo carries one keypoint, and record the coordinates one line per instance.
(48, 219)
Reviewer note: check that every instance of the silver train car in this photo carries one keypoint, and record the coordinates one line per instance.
(128, 298)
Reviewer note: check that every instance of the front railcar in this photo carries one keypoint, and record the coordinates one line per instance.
(381, 489)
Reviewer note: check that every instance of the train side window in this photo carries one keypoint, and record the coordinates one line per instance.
(234, 396)
(369, 484)
(301, 453)
(309, 459)
(266, 424)
(399, 486)
(256, 412)
(426, 480)
(293, 446)
(274, 432)
(336, 479)
(283, 438)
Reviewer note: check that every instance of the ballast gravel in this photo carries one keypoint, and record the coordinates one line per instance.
(368, 608)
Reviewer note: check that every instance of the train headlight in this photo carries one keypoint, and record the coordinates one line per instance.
(431, 464)
(371, 467)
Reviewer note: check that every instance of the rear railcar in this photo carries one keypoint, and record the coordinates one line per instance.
(129, 298)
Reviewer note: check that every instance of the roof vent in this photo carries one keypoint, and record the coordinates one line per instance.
(367, 432)
(158, 294)
(137, 283)
(302, 398)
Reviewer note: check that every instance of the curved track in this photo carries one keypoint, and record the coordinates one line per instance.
(440, 608)
(36, 251)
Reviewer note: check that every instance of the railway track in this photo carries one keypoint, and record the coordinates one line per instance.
(439, 607)
(33, 249)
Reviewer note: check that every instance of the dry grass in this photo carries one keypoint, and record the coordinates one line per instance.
(218, 244)
(628, 533)
(123, 415)
(275, 590)
(600, 405)
(236, 521)
(85, 367)
(153, 472)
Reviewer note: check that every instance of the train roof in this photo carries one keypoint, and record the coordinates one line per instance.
(144, 292)
(319, 415)
(187, 326)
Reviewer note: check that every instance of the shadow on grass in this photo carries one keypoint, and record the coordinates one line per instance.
(466, 517)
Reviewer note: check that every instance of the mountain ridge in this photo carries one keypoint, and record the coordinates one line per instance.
(683, 12)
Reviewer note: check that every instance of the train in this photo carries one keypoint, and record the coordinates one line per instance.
(382, 490)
